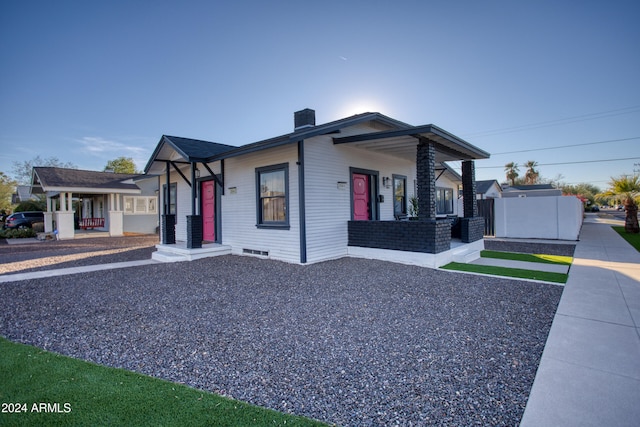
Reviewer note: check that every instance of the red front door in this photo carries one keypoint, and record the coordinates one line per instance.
(208, 192)
(361, 205)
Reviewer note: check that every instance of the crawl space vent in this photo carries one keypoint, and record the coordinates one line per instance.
(255, 252)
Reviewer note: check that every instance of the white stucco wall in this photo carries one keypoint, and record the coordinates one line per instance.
(538, 217)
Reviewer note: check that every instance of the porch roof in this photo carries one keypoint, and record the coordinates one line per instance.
(52, 180)
(403, 143)
(186, 150)
(183, 150)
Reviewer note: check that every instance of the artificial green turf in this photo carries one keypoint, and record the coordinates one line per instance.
(508, 272)
(541, 258)
(96, 395)
(633, 239)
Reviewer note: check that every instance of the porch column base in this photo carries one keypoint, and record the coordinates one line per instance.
(168, 229)
(471, 229)
(64, 225)
(48, 222)
(116, 223)
(194, 231)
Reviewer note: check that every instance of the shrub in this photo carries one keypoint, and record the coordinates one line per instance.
(17, 234)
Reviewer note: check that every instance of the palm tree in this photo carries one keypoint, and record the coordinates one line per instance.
(627, 187)
(512, 172)
(532, 175)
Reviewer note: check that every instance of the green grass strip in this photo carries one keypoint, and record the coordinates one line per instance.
(633, 239)
(541, 258)
(71, 392)
(508, 272)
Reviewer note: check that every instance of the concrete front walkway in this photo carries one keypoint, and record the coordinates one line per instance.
(589, 374)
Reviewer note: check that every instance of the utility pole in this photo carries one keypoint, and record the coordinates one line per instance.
(636, 168)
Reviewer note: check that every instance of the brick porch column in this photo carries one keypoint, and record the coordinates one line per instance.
(472, 225)
(469, 189)
(426, 175)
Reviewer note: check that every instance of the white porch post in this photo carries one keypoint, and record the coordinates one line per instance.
(116, 216)
(48, 217)
(64, 218)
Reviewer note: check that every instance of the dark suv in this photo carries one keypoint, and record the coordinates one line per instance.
(23, 219)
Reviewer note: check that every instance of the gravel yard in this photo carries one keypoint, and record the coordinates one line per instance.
(48, 255)
(351, 341)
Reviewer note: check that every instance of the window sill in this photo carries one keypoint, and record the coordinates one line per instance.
(274, 226)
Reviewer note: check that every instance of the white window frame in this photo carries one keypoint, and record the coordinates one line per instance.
(140, 205)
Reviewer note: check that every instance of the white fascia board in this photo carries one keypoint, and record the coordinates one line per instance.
(89, 190)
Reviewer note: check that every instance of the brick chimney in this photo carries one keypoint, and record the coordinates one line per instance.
(304, 119)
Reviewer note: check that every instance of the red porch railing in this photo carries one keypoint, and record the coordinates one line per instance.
(91, 223)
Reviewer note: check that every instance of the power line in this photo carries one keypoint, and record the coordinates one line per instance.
(556, 122)
(566, 146)
(566, 163)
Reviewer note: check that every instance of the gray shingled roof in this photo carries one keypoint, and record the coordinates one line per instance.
(197, 149)
(533, 187)
(484, 186)
(53, 179)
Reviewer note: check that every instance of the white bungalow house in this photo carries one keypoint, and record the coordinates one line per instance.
(103, 201)
(321, 192)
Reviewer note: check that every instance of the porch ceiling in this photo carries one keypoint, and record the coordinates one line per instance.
(403, 143)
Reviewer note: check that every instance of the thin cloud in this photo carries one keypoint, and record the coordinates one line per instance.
(109, 149)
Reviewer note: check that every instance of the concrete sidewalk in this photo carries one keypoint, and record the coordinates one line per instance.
(589, 374)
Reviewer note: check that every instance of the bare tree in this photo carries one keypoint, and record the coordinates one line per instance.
(22, 170)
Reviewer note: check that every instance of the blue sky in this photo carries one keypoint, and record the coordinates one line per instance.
(91, 81)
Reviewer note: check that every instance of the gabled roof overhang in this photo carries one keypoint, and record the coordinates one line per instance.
(52, 181)
(403, 142)
(180, 150)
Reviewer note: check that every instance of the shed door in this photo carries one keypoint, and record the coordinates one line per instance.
(361, 197)
(208, 211)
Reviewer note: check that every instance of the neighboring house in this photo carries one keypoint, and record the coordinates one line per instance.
(489, 189)
(22, 194)
(104, 201)
(536, 190)
(321, 192)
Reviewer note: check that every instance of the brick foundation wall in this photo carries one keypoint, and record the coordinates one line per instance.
(413, 236)
(471, 229)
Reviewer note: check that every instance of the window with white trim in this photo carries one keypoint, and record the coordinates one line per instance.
(138, 205)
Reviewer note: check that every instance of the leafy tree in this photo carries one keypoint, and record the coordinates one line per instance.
(627, 188)
(122, 165)
(31, 205)
(22, 170)
(531, 175)
(583, 190)
(7, 188)
(512, 172)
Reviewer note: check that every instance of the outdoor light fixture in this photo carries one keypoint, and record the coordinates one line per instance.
(386, 182)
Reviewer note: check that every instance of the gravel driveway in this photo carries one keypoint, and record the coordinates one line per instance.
(351, 341)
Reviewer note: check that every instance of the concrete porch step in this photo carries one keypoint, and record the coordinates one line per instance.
(523, 265)
(466, 256)
(162, 256)
(179, 252)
